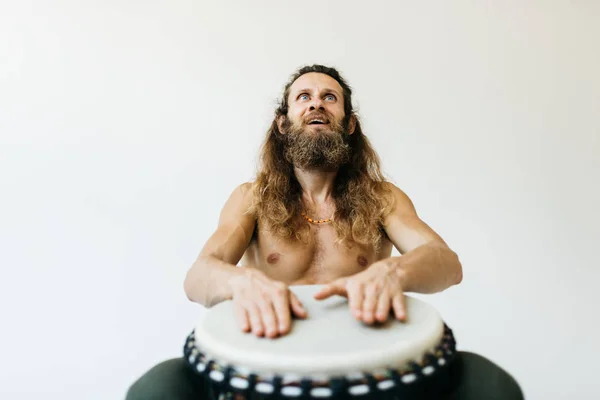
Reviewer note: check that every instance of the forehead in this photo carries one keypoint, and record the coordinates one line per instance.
(316, 82)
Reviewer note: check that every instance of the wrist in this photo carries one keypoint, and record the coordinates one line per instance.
(238, 275)
(233, 278)
(394, 268)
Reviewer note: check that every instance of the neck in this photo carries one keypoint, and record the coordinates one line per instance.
(317, 185)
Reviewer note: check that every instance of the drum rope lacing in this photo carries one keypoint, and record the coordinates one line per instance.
(228, 379)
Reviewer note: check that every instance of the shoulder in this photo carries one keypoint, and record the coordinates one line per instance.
(246, 189)
(404, 227)
(243, 192)
(240, 200)
(397, 200)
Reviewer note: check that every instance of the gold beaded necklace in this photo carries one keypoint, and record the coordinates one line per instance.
(317, 221)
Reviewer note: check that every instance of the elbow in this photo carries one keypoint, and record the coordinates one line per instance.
(191, 282)
(459, 276)
(451, 262)
(458, 270)
(188, 287)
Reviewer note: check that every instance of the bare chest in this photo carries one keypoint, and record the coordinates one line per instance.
(319, 259)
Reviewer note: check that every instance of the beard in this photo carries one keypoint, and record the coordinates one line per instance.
(322, 147)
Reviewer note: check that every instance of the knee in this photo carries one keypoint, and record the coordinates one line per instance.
(489, 377)
(170, 379)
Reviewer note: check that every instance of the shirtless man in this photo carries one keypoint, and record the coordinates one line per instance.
(319, 212)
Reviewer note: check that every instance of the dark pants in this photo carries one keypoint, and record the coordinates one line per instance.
(474, 378)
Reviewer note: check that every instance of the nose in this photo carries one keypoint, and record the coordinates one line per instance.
(317, 104)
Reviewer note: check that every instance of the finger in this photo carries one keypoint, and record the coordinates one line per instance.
(297, 306)
(336, 287)
(399, 307)
(355, 299)
(383, 307)
(281, 307)
(241, 316)
(369, 304)
(255, 319)
(269, 320)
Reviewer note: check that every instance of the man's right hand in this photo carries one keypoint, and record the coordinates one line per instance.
(263, 306)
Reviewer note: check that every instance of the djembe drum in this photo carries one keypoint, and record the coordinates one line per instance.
(329, 354)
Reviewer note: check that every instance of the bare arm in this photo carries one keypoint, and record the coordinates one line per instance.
(261, 305)
(427, 264)
(208, 280)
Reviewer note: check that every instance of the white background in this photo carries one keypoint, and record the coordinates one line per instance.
(126, 124)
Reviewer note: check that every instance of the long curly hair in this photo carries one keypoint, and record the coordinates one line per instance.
(360, 194)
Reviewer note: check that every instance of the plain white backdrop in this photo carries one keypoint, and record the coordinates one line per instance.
(126, 124)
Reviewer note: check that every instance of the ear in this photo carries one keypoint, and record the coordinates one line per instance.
(352, 124)
(280, 126)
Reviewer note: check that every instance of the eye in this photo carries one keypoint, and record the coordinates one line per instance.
(330, 97)
(303, 96)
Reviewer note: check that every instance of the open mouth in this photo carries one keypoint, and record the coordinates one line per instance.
(317, 122)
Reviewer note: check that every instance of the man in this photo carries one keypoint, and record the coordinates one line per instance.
(320, 212)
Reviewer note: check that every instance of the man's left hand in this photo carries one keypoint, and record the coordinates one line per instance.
(371, 293)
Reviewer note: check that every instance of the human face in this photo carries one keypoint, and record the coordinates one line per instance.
(315, 95)
(316, 136)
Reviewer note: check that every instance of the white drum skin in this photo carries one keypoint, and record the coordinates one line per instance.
(329, 342)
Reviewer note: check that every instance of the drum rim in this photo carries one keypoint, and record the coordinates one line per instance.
(392, 379)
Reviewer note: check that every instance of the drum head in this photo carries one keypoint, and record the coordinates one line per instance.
(330, 341)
